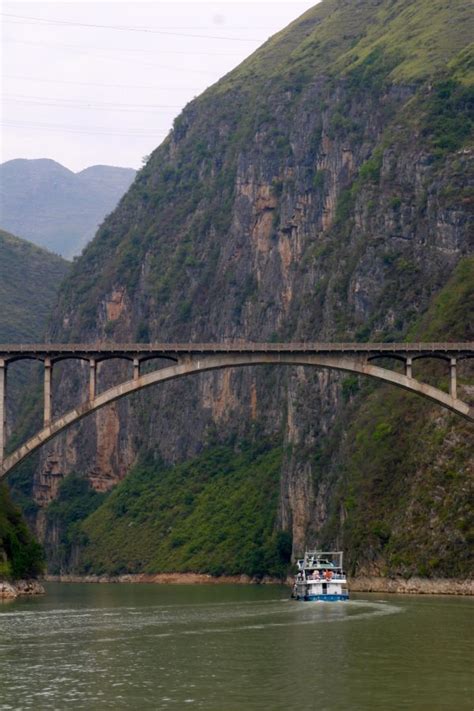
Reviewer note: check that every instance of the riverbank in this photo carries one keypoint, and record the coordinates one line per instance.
(398, 585)
(166, 579)
(20, 588)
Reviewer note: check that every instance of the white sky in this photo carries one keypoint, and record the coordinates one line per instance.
(86, 95)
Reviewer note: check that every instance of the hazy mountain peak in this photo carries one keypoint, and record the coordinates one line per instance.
(50, 205)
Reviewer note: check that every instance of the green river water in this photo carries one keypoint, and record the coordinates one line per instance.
(233, 648)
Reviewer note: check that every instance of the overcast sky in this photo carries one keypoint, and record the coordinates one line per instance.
(89, 83)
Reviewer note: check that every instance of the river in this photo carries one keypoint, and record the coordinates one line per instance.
(233, 648)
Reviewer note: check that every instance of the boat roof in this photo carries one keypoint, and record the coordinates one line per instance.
(320, 559)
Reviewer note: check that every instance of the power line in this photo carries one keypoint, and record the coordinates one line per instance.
(179, 28)
(123, 28)
(72, 126)
(163, 67)
(92, 130)
(102, 104)
(54, 45)
(86, 106)
(104, 85)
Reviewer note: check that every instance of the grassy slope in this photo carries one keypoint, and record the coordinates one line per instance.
(419, 39)
(29, 280)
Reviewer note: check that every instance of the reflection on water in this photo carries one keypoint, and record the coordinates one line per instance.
(228, 648)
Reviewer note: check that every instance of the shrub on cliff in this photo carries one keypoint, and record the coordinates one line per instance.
(20, 555)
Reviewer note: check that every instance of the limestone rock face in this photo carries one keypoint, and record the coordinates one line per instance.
(306, 196)
(7, 591)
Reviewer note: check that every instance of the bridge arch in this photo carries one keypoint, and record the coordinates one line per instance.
(188, 365)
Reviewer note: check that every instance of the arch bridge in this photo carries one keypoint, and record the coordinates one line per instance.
(185, 359)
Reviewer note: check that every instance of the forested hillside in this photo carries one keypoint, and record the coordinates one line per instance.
(29, 281)
(317, 192)
(30, 278)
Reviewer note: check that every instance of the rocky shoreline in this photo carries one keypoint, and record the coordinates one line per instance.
(399, 585)
(412, 586)
(165, 579)
(20, 588)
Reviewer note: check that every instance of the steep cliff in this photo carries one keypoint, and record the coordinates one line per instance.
(316, 192)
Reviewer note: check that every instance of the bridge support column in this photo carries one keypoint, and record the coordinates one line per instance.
(3, 407)
(453, 386)
(92, 379)
(408, 367)
(47, 391)
(136, 369)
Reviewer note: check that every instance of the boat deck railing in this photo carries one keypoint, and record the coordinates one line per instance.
(323, 579)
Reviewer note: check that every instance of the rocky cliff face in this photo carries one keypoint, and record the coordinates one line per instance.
(317, 192)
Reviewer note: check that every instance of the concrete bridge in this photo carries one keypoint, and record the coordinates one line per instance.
(186, 359)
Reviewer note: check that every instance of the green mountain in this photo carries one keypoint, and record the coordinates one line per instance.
(44, 202)
(317, 192)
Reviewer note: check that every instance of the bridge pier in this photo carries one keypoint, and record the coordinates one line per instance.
(3, 407)
(136, 369)
(409, 367)
(453, 387)
(92, 378)
(48, 368)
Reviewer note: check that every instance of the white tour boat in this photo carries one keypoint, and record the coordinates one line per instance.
(320, 577)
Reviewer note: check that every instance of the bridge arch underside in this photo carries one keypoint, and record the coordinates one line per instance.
(195, 364)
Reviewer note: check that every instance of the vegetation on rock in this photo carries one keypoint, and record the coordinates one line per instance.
(407, 470)
(20, 555)
(214, 514)
(317, 192)
(29, 281)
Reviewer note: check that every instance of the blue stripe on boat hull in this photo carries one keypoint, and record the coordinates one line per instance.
(323, 598)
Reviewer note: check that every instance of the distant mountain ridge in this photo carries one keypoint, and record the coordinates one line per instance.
(53, 207)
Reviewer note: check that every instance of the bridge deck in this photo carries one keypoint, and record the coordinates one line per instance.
(40, 350)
